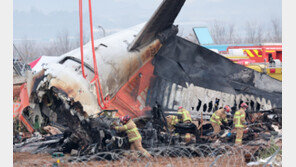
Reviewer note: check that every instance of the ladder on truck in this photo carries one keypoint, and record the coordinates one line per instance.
(19, 65)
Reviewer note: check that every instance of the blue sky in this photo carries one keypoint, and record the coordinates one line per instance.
(44, 19)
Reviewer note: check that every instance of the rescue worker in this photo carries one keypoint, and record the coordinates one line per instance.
(172, 120)
(186, 118)
(217, 118)
(134, 137)
(239, 121)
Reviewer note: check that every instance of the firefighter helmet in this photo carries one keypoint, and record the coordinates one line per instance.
(125, 119)
(227, 108)
(246, 131)
(244, 105)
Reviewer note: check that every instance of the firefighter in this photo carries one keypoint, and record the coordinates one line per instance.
(186, 118)
(134, 137)
(239, 121)
(217, 118)
(172, 120)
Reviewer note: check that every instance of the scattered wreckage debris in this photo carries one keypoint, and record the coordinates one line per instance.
(60, 109)
(93, 139)
(58, 93)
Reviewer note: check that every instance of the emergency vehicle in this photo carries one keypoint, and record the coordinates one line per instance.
(263, 57)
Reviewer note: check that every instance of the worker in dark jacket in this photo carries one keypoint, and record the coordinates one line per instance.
(134, 137)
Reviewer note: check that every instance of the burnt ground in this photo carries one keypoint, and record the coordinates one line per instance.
(27, 160)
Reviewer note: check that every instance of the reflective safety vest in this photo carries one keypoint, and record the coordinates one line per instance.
(185, 115)
(175, 120)
(216, 119)
(172, 120)
(239, 118)
(131, 129)
(218, 116)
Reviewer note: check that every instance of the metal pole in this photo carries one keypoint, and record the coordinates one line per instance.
(104, 33)
(213, 163)
(201, 121)
(274, 154)
(20, 55)
(147, 164)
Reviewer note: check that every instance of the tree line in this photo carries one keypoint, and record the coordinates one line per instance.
(30, 50)
(221, 32)
(252, 32)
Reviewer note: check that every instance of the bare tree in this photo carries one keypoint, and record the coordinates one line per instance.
(218, 31)
(233, 36)
(28, 49)
(231, 33)
(77, 39)
(60, 45)
(254, 32)
(250, 32)
(237, 39)
(260, 34)
(50, 49)
(276, 30)
(224, 33)
(192, 38)
(62, 42)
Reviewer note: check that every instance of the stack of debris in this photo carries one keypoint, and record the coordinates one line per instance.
(72, 133)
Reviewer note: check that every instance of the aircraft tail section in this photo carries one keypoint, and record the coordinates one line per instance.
(162, 19)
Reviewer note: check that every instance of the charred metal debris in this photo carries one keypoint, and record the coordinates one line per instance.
(62, 113)
(62, 126)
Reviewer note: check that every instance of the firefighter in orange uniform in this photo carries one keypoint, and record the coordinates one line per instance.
(217, 118)
(239, 121)
(186, 118)
(134, 137)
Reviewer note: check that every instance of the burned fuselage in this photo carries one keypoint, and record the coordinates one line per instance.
(138, 67)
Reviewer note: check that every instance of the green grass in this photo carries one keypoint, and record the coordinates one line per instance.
(269, 151)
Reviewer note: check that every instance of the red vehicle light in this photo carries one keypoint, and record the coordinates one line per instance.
(272, 70)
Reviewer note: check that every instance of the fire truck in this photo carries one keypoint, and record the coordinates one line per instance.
(265, 58)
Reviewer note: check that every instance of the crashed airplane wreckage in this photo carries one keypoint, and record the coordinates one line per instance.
(138, 67)
(95, 137)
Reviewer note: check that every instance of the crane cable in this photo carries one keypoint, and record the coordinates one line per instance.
(96, 78)
(81, 38)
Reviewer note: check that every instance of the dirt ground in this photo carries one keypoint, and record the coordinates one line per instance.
(28, 160)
